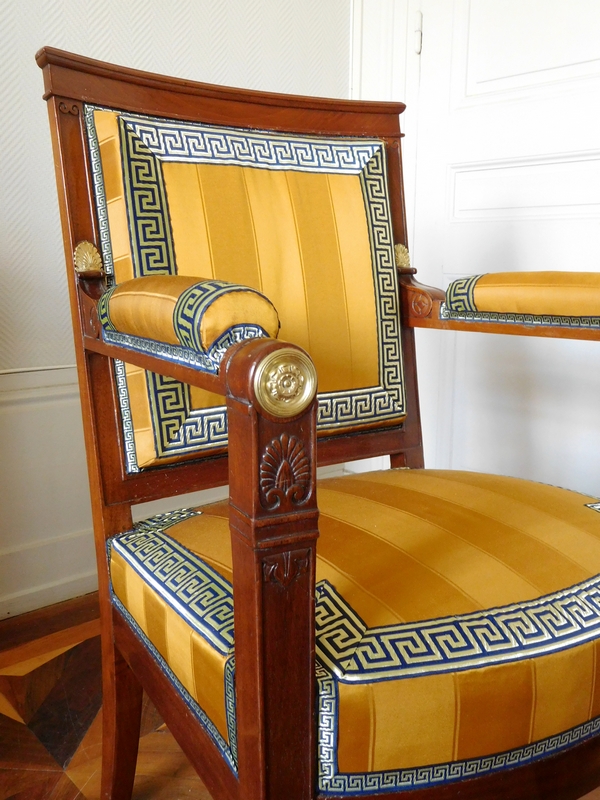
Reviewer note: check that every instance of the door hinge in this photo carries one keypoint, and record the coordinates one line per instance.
(418, 32)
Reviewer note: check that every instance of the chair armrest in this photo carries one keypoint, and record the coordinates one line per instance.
(183, 319)
(175, 325)
(558, 294)
(555, 304)
(182, 310)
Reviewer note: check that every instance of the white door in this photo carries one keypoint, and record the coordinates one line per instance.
(504, 129)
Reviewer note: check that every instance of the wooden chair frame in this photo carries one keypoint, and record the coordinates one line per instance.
(273, 551)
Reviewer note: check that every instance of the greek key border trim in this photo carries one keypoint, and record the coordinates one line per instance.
(337, 410)
(131, 463)
(193, 589)
(539, 320)
(356, 653)
(99, 193)
(199, 143)
(332, 782)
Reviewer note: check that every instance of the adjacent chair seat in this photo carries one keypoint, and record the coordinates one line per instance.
(458, 616)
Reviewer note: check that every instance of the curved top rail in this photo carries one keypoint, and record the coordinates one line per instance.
(56, 62)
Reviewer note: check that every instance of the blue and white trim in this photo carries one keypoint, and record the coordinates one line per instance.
(356, 784)
(358, 654)
(535, 320)
(209, 144)
(193, 589)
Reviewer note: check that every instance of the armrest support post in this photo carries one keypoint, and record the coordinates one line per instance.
(273, 520)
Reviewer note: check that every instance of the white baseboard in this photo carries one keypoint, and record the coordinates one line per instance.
(47, 571)
(48, 594)
(46, 545)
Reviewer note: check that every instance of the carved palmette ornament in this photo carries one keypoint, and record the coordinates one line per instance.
(87, 259)
(284, 568)
(402, 256)
(284, 472)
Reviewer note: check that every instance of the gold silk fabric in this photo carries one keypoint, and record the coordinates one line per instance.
(315, 240)
(564, 294)
(144, 307)
(425, 557)
(299, 238)
(198, 666)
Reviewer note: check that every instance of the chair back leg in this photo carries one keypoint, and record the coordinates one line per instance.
(121, 719)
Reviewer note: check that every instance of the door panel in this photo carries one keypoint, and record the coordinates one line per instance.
(507, 178)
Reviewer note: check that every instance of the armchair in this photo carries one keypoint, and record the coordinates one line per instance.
(408, 633)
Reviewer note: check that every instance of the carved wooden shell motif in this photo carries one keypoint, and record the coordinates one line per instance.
(284, 472)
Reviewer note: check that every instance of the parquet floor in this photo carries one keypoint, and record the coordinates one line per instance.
(51, 715)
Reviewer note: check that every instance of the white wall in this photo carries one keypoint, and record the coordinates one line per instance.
(295, 46)
(382, 68)
(508, 160)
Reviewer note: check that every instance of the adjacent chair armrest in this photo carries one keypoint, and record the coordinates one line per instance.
(552, 304)
(556, 294)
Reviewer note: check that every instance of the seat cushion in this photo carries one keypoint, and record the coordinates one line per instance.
(457, 622)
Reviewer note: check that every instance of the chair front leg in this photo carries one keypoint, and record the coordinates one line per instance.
(273, 519)
(121, 691)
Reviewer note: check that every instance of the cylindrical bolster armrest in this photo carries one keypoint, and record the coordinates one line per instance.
(186, 311)
(574, 294)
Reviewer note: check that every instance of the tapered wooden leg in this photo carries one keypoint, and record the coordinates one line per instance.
(121, 717)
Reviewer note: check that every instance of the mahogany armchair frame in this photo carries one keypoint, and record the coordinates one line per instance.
(273, 551)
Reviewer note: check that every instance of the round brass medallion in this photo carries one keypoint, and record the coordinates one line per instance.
(285, 382)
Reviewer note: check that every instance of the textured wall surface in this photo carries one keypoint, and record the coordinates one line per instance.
(299, 46)
(296, 46)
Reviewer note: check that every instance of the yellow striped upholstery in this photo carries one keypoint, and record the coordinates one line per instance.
(301, 238)
(199, 667)
(407, 552)
(558, 293)
(507, 296)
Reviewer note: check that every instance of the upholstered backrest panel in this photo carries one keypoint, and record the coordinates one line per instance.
(303, 220)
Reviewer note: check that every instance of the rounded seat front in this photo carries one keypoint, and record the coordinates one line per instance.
(457, 620)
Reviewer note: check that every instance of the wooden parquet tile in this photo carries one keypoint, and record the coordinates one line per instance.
(20, 749)
(26, 692)
(62, 720)
(51, 716)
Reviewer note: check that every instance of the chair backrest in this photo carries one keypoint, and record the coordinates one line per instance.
(299, 198)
